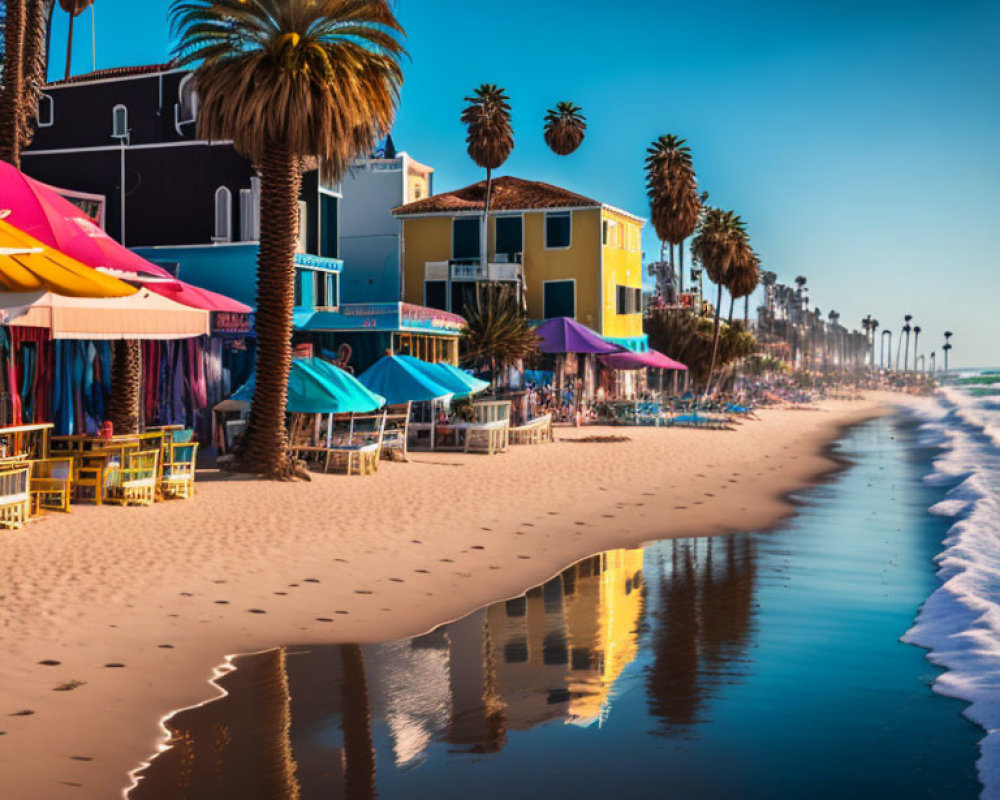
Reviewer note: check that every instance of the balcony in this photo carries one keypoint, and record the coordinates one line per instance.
(471, 270)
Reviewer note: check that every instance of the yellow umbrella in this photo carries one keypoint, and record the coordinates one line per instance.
(27, 265)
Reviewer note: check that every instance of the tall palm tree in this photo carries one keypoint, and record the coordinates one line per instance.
(947, 348)
(916, 343)
(74, 8)
(904, 332)
(489, 140)
(744, 278)
(720, 243)
(12, 99)
(672, 188)
(285, 80)
(565, 127)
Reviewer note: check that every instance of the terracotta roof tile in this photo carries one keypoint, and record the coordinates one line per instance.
(509, 194)
(115, 72)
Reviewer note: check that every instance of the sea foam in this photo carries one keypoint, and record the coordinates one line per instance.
(959, 624)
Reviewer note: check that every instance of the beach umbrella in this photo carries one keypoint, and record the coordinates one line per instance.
(314, 387)
(626, 359)
(28, 265)
(459, 383)
(399, 381)
(140, 315)
(565, 335)
(40, 211)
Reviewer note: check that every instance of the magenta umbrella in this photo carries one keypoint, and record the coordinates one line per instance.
(626, 359)
(565, 335)
(40, 211)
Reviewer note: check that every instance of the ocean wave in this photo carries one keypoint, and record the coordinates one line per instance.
(959, 624)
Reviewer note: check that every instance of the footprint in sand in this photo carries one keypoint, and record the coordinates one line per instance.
(49, 663)
(80, 758)
(114, 665)
(553, 513)
(477, 547)
(579, 523)
(397, 580)
(363, 591)
(281, 594)
(27, 712)
(525, 558)
(311, 580)
(699, 502)
(680, 508)
(487, 529)
(165, 646)
(222, 602)
(709, 494)
(385, 609)
(342, 612)
(608, 516)
(218, 581)
(447, 560)
(186, 594)
(256, 611)
(528, 524)
(72, 783)
(293, 586)
(342, 561)
(520, 533)
(423, 571)
(323, 619)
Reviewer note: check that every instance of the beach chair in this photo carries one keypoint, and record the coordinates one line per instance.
(15, 497)
(396, 433)
(138, 480)
(51, 484)
(179, 470)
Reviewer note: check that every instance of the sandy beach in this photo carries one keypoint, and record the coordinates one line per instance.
(112, 618)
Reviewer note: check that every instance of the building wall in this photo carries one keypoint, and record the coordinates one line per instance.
(424, 239)
(369, 235)
(622, 267)
(228, 269)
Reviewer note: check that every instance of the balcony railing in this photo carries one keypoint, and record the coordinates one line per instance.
(472, 270)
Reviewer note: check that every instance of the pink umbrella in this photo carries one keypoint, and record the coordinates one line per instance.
(626, 359)
(40, 211)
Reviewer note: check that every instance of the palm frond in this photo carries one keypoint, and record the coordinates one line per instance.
(565, 127)
(490, 137)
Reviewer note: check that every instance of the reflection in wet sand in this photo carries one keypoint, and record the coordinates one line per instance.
(305, 717)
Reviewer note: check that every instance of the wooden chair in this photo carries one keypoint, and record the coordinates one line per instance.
(138, 480)
(15, 497)
(98, 471)
(397, 430)
(51, 483)
(179, 470)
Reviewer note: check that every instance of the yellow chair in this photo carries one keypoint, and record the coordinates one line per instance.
(179, 469)
(51, 483)
(138, 479)
(15, 497)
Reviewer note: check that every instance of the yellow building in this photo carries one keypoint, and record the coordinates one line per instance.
(570, 255)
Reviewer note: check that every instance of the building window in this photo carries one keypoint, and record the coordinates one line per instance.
(629, 300)
(328, 233)
(223, 215)
(324, 289)
(297, 295)
(436, 294)
(516, 651)
(554, 649)
(465, 238)
(510, 236)
(119, 122)
(604, 232)
(558, 229)
(187, 100)
(46, 111)
(559, 299)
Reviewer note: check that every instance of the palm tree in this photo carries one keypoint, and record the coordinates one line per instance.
(720, 244)
(497, 333)
(904, 331)
(743, 280)
(947, 348)
(933, 361)
(489, 140)
(285, 80)
(916, 342)
(74, 8)
(673, 194)
(565, 127)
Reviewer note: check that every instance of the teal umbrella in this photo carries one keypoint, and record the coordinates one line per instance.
(318, 387)
(403, 379)
(464, 384)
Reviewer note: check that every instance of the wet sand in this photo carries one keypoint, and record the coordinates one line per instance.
(111, 618)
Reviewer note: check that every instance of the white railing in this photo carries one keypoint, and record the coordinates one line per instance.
(472, 271)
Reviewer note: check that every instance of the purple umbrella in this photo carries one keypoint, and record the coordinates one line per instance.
(565, 335)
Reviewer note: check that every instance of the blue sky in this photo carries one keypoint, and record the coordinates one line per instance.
(860, 140)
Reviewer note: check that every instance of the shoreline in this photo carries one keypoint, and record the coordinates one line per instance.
(250, 565)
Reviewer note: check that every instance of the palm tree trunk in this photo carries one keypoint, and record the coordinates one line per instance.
(746, 313)
(34, 67)
(126, 386)
(265, 446)
(356, 722)
(484, 244)
(12, 97)
(732, 302)
(715, 340)
(680, 266)
(69, 46)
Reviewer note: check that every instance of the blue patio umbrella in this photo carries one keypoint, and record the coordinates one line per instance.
(464, 383)
(399, 380)
(316, 387)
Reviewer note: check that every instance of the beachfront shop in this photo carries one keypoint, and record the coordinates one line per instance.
(357, 335)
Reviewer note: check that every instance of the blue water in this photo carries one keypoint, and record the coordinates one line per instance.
(763, 665)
